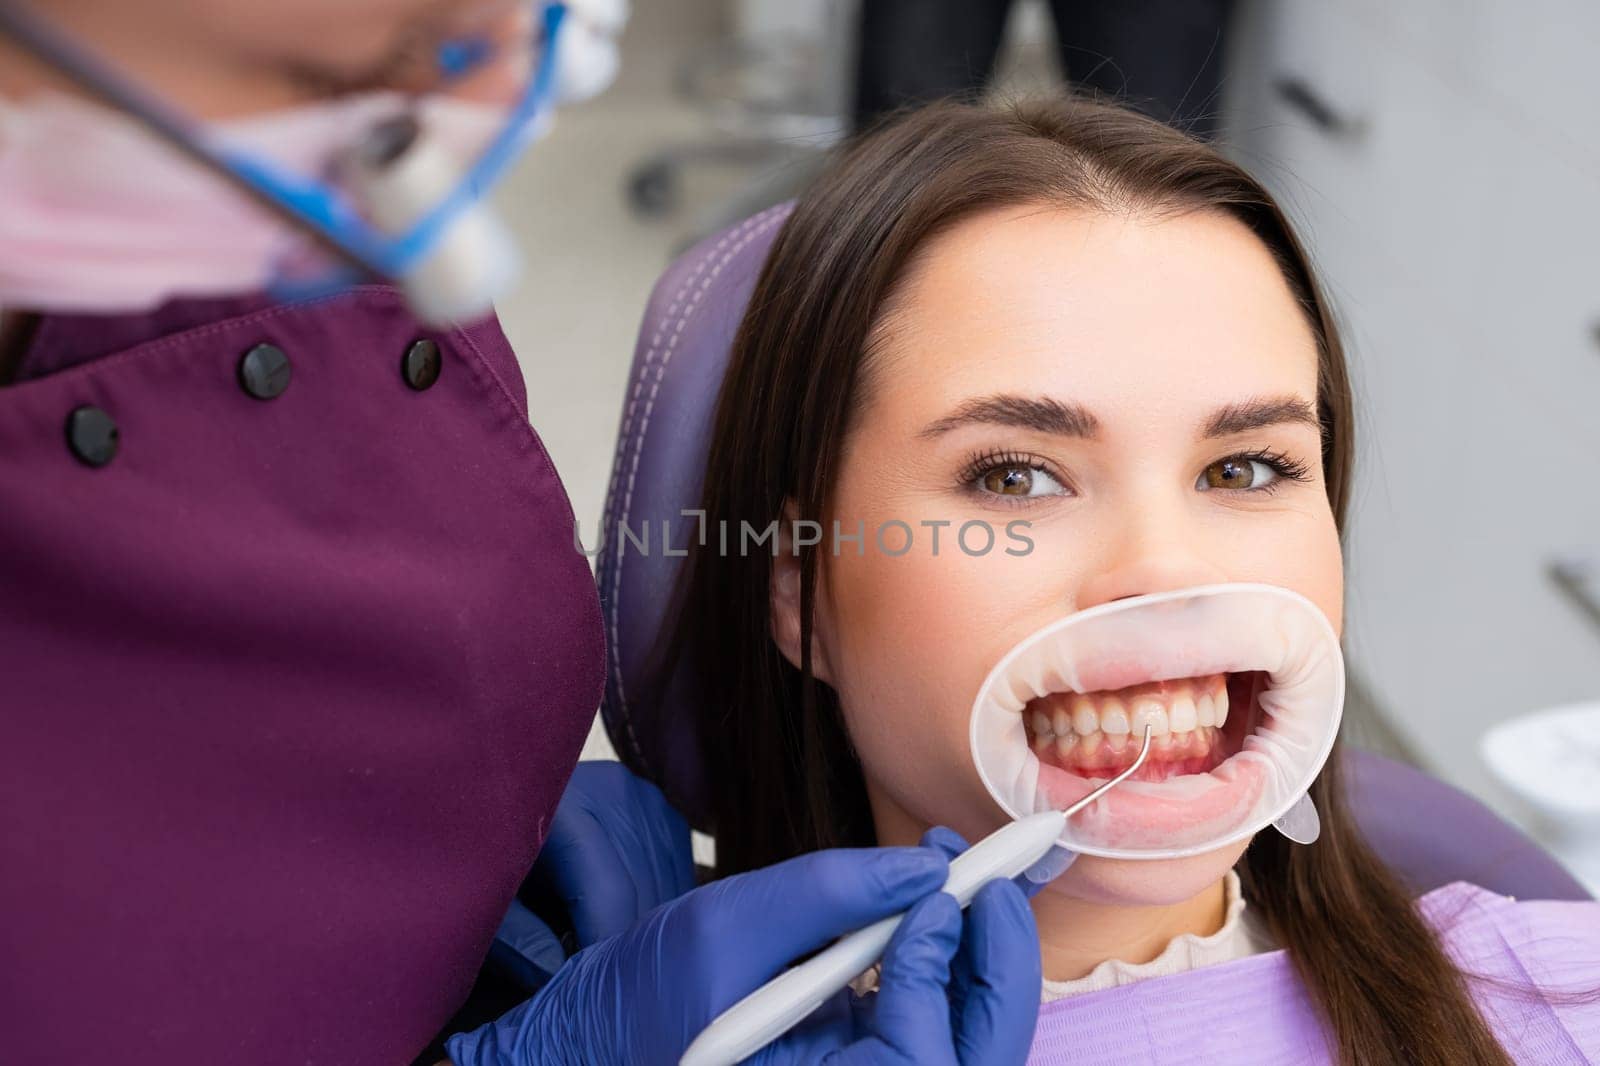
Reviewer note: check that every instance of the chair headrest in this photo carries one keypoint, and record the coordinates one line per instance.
(678, 366)
(1428, 831)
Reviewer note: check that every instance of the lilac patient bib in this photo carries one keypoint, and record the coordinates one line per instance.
(1255, 1011)
(296, 656)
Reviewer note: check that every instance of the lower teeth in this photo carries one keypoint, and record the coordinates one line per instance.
(1097, 751)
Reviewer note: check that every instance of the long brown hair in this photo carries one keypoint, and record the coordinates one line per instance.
(785, 777)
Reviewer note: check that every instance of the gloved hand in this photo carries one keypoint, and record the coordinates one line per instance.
(643, 995)
(615, 851)
(987, 1021)
(985, 951)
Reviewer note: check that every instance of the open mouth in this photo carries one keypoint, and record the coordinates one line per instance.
(1196, 724)
(1240, 685)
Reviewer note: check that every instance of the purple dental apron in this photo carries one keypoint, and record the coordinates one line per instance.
(1255, 1011)
(289, 687)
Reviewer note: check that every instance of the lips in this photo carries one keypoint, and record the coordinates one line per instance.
(1143, 816)
(1196, 726)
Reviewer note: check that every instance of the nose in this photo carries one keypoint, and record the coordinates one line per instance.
(1151, 553)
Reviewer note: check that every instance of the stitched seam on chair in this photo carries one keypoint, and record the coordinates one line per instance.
(756, 226)
(614, 664)
(655, 346)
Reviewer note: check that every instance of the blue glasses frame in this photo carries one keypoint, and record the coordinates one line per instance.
(322, 209)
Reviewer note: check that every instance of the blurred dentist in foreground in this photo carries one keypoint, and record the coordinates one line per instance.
(297, 656)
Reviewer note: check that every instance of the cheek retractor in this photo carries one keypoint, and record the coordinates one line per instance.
(1241, 685)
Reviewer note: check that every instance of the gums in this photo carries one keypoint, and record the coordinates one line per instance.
(1094, 737)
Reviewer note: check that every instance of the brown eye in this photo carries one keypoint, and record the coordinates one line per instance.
(1009, 481)
(1019, 480)
(1237, 473)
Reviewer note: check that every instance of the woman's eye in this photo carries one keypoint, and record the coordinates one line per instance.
(1238, 472)
(1013, 480)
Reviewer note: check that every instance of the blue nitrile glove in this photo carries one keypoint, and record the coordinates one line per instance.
(616, 850)
(642, 996)
(990, 945)
(526, 949)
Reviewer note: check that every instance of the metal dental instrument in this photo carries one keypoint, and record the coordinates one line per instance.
(783, 1002)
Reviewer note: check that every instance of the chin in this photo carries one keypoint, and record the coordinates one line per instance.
(1145, 882)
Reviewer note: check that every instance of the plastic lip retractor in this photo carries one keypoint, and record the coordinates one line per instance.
(1275, 747)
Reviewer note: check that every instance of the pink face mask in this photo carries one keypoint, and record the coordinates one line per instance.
(97, 214)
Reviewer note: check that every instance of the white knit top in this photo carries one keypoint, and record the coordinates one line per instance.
(1239, 936)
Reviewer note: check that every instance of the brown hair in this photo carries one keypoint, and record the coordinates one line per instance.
(785, 777)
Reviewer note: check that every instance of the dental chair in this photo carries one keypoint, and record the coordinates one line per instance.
(1430, 833)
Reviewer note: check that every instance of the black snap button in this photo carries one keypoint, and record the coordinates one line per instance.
(264, 371)
(92, 436)
(420, 367)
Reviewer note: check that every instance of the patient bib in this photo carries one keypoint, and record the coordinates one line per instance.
(1255, 1011)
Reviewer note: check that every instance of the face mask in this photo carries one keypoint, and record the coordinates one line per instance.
(97, 214)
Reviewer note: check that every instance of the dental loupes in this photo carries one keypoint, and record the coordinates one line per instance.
(782, 1003)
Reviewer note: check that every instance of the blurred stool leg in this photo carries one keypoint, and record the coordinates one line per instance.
(913, 51)
(1164, 57)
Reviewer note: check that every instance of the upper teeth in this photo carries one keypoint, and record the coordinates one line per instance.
(1165, 707)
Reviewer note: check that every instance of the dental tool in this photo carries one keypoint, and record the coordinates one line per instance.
(783, 1002)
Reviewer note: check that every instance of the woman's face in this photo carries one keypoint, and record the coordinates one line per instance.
(1061, 369)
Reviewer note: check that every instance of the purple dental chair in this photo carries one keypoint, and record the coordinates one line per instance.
(1431, 833)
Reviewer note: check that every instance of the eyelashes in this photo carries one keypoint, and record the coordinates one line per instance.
(980, 464)
(1285, 466)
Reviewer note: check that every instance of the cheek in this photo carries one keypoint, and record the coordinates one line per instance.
(1155, 883)
(908, 641)
(1298, 551)
(1312, 564)
(1329, 576)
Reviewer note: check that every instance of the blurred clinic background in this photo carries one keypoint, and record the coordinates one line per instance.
(1442, 158)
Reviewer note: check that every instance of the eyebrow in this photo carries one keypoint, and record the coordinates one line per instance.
(1259, 412)
(1025, 412)
(1062, 419)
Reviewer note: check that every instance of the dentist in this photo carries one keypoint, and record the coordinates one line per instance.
(296, 657)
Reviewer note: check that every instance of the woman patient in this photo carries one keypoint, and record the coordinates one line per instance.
(1072, 316)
